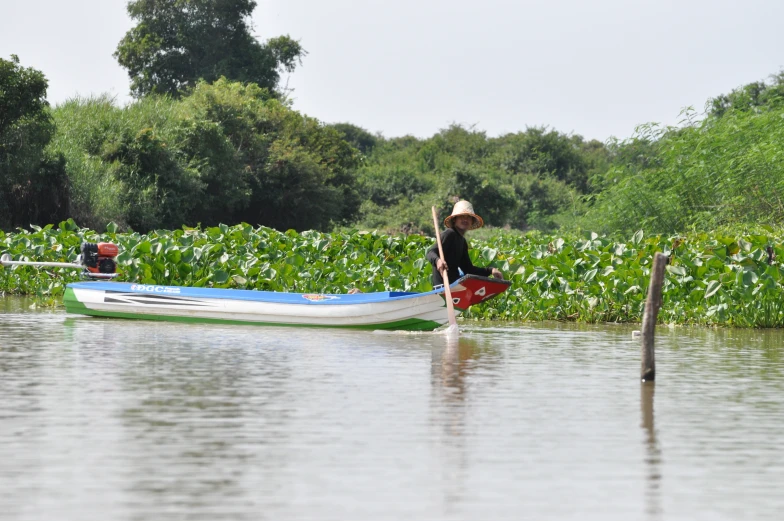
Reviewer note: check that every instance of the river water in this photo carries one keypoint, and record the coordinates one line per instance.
(131, 420)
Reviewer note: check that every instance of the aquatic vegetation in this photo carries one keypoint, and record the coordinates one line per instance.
(712, 279)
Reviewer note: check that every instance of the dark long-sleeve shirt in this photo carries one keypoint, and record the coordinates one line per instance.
(456, 256)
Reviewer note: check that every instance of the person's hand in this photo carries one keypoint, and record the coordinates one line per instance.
(441, 265)
(497, 274)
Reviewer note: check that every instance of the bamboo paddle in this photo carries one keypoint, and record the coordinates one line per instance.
(450, 306)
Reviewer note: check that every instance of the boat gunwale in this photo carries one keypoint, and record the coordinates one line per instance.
(307, 299)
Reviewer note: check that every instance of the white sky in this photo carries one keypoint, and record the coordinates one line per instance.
(596, 68)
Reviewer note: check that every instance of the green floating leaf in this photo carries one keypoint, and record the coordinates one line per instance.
(489, 254)
(187, 255)
(676, 270)
(174, 256)
(733, 248)
(590, 274)
(713, 287)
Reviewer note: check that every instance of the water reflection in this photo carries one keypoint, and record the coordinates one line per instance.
(204, 405)
(448, 413)
(123, 418)
(652, 452)
(16, 304)
(451, 366)
(450, 371)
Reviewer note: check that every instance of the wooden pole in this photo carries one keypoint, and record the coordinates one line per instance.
(450, 306)
(652, 305)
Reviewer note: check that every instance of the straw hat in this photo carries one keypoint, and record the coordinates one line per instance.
(464, 208)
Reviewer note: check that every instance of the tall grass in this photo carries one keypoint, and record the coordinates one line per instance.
(87, 131)
(720, 171)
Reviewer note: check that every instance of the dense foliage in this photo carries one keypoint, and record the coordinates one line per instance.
(227, 153)
(719, 171)
(523, 180)
(711, 279)
(176, 44)
(233, 152)
(33, 184)
(724, 168)
(755, 96)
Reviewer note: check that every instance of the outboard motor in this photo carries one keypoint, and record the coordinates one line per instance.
(99, 259)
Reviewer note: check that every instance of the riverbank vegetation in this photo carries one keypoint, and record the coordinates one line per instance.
(716, 280)
(214, 142)
(229, 152)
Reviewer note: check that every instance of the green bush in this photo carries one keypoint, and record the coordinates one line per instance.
(227, 152)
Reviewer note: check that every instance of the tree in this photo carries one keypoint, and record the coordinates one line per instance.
(33, 186)
(754, 96)
(546, 153)
(298, 172)
(358, 137)
(178, 42)
(25, 124)
(487, 189)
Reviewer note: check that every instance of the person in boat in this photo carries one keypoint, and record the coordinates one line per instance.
(456, 247)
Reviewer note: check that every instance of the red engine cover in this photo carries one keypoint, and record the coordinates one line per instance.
(107, 249)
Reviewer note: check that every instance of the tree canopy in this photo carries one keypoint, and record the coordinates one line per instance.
(25, 125)
(28, 177)
(521, 180)
(753, 96)
(177, 43)
(225, 153)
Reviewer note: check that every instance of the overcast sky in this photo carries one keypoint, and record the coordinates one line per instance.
(597, 68)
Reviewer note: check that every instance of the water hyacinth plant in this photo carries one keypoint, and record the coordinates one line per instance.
(716, 279)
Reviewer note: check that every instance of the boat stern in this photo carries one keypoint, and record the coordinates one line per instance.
(473, 289)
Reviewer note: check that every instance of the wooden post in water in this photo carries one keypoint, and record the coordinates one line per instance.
(652, 305)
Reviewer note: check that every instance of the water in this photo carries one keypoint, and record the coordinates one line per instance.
(131, 420)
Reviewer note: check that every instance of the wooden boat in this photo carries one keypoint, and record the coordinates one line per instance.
(383, 310)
